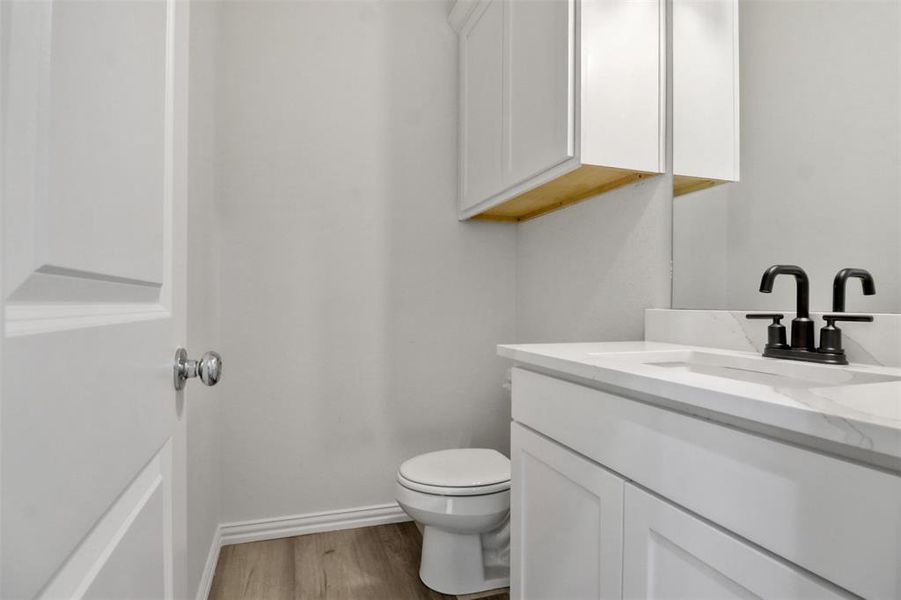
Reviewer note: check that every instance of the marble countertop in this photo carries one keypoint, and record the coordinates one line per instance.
(858, 406)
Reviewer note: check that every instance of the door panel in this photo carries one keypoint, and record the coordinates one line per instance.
(481, 104)
(102, 208)
(541, 70)
(566, 523)
(128, 553)
(669, 553)
(93, 267)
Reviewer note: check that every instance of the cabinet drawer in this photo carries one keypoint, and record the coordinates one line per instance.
(840, 520)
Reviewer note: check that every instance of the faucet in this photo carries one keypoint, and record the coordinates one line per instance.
(841, 278)
(802, 334)
(802, 337)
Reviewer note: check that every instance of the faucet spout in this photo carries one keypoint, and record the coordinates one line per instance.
(803, 285)
(838, 286)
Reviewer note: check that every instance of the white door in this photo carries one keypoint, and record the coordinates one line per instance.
(566, 520)
(669, 553)
(93, 123)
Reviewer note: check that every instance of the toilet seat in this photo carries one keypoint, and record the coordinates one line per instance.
(435, 490)
(458, 472)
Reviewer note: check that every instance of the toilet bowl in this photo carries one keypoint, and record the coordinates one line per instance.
(462, 500)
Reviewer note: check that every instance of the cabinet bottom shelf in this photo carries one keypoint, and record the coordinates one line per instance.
(686, 184)
(582, 183)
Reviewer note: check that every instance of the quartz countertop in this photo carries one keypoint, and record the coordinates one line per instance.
(857, 406)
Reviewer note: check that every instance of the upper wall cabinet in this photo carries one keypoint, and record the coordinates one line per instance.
(705, 93)
(560, 100)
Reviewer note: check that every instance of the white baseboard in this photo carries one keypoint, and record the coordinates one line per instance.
(289, 526)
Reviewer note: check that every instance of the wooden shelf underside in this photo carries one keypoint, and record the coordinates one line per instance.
(580, 184)
(686, 184)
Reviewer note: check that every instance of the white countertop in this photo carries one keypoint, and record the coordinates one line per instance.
(858, 406)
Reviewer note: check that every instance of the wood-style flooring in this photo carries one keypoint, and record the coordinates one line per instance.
(370, 563)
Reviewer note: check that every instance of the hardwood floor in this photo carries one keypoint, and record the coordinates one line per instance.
(377, 563)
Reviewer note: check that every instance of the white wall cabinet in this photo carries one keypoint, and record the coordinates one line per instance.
(566, 523)
(705, 93)
(482, 100)
(560, 100)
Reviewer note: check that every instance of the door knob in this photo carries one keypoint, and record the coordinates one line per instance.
(208, 368)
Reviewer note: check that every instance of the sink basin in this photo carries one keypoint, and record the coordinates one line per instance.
(751, 369)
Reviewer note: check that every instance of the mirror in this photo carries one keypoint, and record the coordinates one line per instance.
(815, 133)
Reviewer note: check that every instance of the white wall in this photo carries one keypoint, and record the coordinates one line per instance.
(586, 273)
(359, 317)
(202, 404)
(820, 154)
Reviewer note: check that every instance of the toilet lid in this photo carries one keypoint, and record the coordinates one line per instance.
(460, 468)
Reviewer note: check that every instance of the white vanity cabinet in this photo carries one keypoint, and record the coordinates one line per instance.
(560, 100)
(705, 94)
(670, 553)
(567, 523)
(582, 532)
(620, 498)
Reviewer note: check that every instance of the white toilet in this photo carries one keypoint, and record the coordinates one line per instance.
(462, 499)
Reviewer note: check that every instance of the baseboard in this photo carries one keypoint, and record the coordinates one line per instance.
(289, 526)
(209, 569)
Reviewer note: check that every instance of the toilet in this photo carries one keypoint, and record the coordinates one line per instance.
(462, 499)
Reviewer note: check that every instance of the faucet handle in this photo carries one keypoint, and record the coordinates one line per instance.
(776, 317)
(831, 319)
(775, 333)
(831, 336)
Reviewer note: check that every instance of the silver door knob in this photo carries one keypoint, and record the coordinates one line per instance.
(208, 368)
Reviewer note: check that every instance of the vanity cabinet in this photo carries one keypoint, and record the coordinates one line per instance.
(705, 94)
(670, 553)
(560, 100)
(614, 497)
(567, 519)
(580, 531)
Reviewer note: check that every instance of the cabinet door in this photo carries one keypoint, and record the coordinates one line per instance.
(669, 553)
(705, 89)
(623, 71)
(481, 104)
(540, 109)
(566, 523)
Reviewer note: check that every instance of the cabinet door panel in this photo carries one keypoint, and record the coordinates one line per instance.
(566, 523)
(622, 80)
(541, 83)
(669, 553)
(481, 104)
(705, 89)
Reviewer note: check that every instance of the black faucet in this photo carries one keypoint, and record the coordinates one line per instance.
(802, 327)
(841, 278)
(802, 336)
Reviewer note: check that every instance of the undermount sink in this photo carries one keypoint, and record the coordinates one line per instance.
(750, 369)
